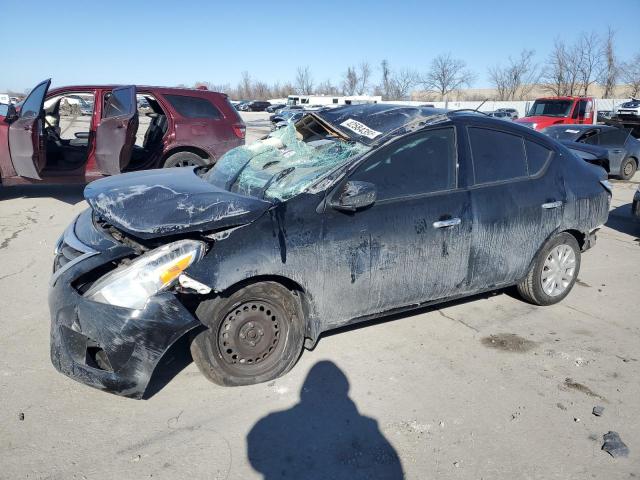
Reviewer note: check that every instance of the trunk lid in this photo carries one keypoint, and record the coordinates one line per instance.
(170, 201)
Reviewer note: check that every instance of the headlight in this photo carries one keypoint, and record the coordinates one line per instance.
(132, 285)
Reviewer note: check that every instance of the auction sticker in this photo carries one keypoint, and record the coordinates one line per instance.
(360, 128)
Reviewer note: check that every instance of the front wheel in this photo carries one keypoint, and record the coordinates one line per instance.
(628, 168)
(254, 335)
(554, 271)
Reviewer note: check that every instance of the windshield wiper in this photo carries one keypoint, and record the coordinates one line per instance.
(276, 177)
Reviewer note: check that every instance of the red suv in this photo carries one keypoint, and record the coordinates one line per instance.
(80, 133)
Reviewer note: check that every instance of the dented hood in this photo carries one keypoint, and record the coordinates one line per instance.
(169, 201)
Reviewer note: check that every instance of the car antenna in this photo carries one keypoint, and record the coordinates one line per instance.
(481, 104)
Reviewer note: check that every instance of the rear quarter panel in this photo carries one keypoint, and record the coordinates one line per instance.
(215, 137)
(587, 204)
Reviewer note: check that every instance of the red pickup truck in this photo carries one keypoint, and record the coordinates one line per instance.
(559, 110)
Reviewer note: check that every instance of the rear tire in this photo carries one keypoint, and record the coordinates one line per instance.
(554, 271)
(628, 168)
(184, 159)
(254, 335)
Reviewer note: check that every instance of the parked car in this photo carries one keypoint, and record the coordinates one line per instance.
(275, 106)
(500, 115)
(282, 120)
(186, 127)
(629, 109)
(623, 150)
(604, 115)
(253, 106)
(549, 111)
(635, 206)
(512, 112)
(342, 217)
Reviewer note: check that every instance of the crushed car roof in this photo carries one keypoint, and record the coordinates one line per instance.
(371, 123)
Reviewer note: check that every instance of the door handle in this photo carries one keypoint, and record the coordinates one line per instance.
(550, 205)
(617, 150)
(451, 222)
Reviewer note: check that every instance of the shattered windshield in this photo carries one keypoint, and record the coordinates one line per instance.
(282, 165)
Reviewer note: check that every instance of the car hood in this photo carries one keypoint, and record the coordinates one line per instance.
(590, 150)
(541, 121)
(169, 201)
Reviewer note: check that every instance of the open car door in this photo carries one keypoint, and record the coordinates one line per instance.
(26, 134)
(116, 132)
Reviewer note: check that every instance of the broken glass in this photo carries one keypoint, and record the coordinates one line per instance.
(282, 165)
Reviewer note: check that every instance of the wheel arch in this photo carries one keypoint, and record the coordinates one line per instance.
(580, 237)
(185, 148)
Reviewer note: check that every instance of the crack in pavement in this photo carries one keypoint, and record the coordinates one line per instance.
(459, 321)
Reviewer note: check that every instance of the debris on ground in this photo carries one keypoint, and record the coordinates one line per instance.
(614, 446)
(21, 416)
(598, 410)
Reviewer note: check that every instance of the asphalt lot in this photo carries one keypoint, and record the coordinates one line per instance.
(489, 387)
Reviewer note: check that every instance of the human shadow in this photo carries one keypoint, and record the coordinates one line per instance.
(322, 437)
(621, 219)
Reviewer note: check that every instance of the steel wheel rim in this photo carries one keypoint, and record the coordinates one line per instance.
(558, 270)
(250, 334)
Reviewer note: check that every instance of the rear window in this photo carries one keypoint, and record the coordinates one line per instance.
(193, 107)
(537, 156)
(497, 156)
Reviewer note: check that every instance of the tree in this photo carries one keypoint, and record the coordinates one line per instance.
(610, 70)
(363, 78)
(304, 81)
(385, 86)
(327, 88)
(630, 74)
(590, 57)
(516, 80)
(350, 81)
(446, 75)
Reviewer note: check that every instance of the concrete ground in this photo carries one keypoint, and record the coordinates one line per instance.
(490, 387)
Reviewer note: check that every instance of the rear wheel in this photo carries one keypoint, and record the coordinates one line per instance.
(184, 159)
(254, 335)
(628, 168)
(554, 271)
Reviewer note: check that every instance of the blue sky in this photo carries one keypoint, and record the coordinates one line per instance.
(172, 42)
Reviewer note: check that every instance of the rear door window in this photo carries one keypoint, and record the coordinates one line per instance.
(119, 102)
(537, 156)
(193, 107)
(497, 156)
(418, 164)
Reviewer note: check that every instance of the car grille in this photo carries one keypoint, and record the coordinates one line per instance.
(64, 255)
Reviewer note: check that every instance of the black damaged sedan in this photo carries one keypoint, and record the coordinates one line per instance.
(345, 216)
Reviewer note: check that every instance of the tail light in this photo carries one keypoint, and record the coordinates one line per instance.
(240, 129)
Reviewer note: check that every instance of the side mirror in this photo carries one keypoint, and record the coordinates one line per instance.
(355, 196)
(12, 114)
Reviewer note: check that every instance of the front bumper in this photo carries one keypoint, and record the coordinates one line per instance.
(107, 347)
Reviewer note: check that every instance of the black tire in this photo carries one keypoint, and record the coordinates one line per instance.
(628, 168)
(267, 314)
(531, 288)
(184, 159)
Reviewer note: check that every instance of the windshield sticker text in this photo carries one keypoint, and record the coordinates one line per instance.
(360, 128)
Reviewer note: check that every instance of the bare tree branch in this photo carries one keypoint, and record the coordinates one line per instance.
(304, 81)
(610, 71)
(446, 75)
(630, 74)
